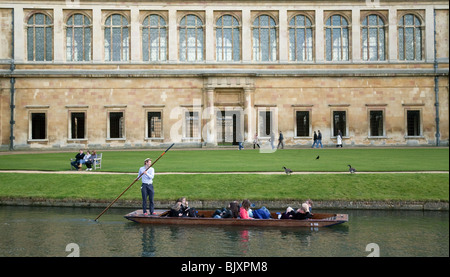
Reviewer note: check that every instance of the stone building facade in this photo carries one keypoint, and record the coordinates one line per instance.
(138, 74)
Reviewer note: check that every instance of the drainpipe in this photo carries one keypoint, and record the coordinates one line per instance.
(13, 90)
(436, 85)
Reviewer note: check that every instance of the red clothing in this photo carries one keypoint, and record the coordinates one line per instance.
(243, 213)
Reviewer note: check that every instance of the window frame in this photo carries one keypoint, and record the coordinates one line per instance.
(342, 46)
(197, 123)
(46, 26)
(257, 52)
(296, 135)
(108, 124)
(37, 110)
(420, 111)
(384, 28)
(274, 121)
(234, 28)
(401, 29)
(147, 124)
(186, 37)
(109, 48)
(83, 27)
(69, 125)
(369, 121)
(305, 49)
(344, 130)
(162, 57)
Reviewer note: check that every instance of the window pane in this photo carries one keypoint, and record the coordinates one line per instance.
(339, 123)
(116, 125)
(337, 39)
(108, 44)
(192, 125)
(154, 125)
(40, 39)
(30, 43)
(154, 38)
(117, 43)
(78, 124)
(410, 38)
(191, 38)
(264, 39)
(376, 123)
(227, 39)
(413, 123)
(38, 126)
(87, 44)
(78, 38)
(302, 118)
(265, 123)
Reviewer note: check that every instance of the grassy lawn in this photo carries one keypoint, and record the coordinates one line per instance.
(371, 187)
(336, 160)
(408, 187)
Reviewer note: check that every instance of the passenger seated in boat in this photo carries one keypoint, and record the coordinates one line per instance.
(182, 209)
(310, 203)
(243, 211)
(288, 214)
(231, 211)
(303, 212)
(176, 211)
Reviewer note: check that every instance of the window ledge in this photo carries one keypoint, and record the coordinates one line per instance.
(37, 140)
(154, 138)
(414, 137)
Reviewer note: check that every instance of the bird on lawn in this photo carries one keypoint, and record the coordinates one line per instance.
(287, 170)
(351, 169)
(317, 157)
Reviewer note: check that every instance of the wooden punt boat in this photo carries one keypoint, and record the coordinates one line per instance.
(205, 218)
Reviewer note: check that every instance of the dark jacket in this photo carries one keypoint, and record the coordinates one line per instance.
(302, 216)
(79, 157)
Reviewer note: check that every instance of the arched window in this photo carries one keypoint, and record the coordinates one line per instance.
(410, 38)
(78, 38)
(117, 39)
(373, 38)
(228, 39)
(40, 38)
(191, 38)
(337, 38)
(154, 38)
(264, 39)
(300, 39)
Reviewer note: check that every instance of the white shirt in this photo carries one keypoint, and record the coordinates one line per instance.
(147, 177)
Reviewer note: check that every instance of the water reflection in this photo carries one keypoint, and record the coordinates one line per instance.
(35, 231)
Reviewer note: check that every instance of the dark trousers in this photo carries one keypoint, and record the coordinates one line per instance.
(147, 190)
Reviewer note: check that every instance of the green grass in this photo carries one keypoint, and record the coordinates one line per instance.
(335, 160)
(371, 187)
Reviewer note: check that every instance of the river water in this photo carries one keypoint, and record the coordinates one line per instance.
(60, 232)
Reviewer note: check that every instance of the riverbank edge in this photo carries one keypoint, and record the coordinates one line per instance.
(215, 204)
